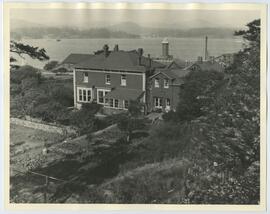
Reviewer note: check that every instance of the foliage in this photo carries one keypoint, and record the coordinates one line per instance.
(50, 65)
(84, 118)
(22, 49)
(60, 70)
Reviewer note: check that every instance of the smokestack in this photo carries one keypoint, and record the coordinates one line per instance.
(106, 50)
(150, 61)
(205, 50)
(116, 47)
(140, 52)
(165, 48)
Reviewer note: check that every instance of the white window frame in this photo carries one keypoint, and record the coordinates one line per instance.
(167, 107)
(123, 80)
(85, 77)
(104, 93)
(114, 101)
(166, 83)
(87, 94)
(156, 83)
(159, 99)
(106, 79)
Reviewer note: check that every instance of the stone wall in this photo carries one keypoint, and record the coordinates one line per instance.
(64, 130)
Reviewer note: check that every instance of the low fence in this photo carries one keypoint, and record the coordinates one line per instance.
(63, 130)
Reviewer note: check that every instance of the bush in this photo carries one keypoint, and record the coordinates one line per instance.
(61, 70)
(50, 65)
(24, 72)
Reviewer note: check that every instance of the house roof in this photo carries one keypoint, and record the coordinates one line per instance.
(76, 58)
(124, 94)
(172, 73)
(118, 60)
(207, 66)
(177, 63)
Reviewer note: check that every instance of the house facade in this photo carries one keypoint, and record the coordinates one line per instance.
(165, 86)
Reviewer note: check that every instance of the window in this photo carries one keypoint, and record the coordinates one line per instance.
(166, 83)
(156, 83)
(101, 93)
(84, 95)
(125, 104)
(123, 80)
(158, 102)
(168, 102)
(116, 103)
(85, 77)
(111, 103)
(108, 79)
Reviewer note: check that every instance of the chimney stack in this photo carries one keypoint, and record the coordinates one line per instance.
(200, 59)
(140, 52)
(106, 50)
(150, 61)
(116, 47)
(212, 59)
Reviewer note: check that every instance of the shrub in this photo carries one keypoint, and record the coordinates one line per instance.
(61, 70)
(50, 65)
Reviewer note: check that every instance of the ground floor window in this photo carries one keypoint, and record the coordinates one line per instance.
(158, 102)
(101, 93)
(84, 95)
(125, 104)
(168, 102)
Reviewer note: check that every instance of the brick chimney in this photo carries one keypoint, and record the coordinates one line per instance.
(140, 52)
(116, 48)
(212, 59)
(200, 59)
(106, 50)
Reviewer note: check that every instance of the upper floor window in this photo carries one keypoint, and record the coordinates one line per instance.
(166, 83)
(156, 83)
(85, 77)
(123, 80)
(108, 79)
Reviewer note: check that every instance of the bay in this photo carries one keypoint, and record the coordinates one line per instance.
(183, 48)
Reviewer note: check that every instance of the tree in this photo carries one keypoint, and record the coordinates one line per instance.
(22, 49)
(50, 65)
(131, 122)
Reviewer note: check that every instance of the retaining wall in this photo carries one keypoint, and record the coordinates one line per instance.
(64, 130)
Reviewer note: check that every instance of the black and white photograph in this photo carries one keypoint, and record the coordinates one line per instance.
(136, 106)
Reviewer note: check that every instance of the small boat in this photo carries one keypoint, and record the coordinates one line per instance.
(58, 40)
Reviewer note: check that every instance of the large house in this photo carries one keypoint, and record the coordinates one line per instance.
(113, 78)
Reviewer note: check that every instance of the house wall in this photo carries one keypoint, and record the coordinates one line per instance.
(171, 93)
(96, 79)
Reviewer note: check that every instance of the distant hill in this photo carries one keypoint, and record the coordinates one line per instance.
(67, 33)
(215, 32)
(24, 29)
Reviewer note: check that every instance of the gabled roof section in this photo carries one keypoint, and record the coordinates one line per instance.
(76, 58)
(118, 60)
(172, 73)
(177, 63)
(208, 65)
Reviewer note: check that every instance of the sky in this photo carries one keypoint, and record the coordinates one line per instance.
(148, 18)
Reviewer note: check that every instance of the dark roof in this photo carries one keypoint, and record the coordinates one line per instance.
(207, 66)
(118, 60)
(124, 94)
(76, 58)
(177, 63)
(172, 73)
